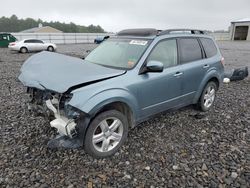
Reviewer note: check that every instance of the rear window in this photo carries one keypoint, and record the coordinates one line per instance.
(209, 47)
(190, 50)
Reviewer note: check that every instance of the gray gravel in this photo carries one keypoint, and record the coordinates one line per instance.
(184, 148)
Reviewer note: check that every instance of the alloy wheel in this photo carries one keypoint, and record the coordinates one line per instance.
(107, 134)
(209, 96)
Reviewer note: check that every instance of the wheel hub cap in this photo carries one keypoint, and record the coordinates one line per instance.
(107, 134)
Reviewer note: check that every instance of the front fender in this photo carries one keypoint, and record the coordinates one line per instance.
(210, 75)
(94, 103)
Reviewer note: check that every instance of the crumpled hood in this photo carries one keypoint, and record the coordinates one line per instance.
(59, 72)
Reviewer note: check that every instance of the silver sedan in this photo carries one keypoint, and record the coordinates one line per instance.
(31, 45)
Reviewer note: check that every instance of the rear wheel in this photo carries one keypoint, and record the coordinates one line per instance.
(23, 50)
(50, 48)
(208, 96)
(106, 134)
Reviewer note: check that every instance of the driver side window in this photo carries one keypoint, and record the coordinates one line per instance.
(165, 52)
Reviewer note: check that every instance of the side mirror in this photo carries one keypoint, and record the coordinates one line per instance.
(154, 66)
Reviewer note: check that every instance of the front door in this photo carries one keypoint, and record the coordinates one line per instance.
(160, 91)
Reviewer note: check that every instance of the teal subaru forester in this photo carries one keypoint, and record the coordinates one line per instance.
(127, 79)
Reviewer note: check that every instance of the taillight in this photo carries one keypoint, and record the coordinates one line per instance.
(12, 44)
(222, 61)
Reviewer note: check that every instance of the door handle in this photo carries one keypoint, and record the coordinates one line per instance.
(205, 66)
(178, 74)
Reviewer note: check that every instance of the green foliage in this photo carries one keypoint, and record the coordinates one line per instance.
(13, 24)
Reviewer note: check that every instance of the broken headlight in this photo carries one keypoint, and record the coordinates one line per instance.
(71, 112)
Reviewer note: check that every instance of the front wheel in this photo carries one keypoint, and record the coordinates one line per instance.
(208, 96)
(106, 134)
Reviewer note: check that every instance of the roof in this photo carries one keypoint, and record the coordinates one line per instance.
(150, 32)
(242, 20)
(37, 29)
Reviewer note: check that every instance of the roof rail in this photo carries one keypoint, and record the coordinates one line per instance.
(138, 32)
(191, 31)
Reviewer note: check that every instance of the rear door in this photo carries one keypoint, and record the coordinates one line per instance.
(194, 66)
(39, 45)
(30, 44)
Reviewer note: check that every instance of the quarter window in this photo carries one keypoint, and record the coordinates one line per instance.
(209, 47)
(165, 52)
(190, 50)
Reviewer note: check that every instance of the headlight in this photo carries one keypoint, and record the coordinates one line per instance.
(71, 112)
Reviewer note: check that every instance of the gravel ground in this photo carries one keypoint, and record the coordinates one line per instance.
(184, 148)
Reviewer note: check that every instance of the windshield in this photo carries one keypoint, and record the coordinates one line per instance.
(118, 53)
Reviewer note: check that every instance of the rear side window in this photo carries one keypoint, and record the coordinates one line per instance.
(209, 47)
(38, 41)
(190, 50)
(28, 41)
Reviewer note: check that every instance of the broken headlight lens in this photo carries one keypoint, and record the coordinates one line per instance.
(71, 112)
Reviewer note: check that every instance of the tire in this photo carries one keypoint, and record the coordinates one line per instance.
(50, 49)
(208, 96)
(23, 50)
(106, 134)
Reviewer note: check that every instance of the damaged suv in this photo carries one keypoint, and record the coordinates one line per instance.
(124, 81)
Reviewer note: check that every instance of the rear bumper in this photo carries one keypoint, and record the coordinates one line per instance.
(13, 48)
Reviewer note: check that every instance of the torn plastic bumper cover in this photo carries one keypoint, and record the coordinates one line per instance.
(237, 74)
(66, 128)
(63, 125)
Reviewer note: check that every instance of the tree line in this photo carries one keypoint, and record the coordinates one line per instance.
(14, 24)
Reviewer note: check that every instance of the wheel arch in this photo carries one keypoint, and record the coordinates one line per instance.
(120, 106)
(215, 80)
(93, 103)
(51, 47)
(212, 76)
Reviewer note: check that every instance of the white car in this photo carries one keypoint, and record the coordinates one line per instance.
(31, 45)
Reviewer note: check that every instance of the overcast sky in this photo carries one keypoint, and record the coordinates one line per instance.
(114, 15)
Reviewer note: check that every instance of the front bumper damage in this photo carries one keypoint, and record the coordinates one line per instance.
(68, 122)
(64, 126)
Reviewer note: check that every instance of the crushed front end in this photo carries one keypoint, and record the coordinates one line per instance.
(65, 118)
